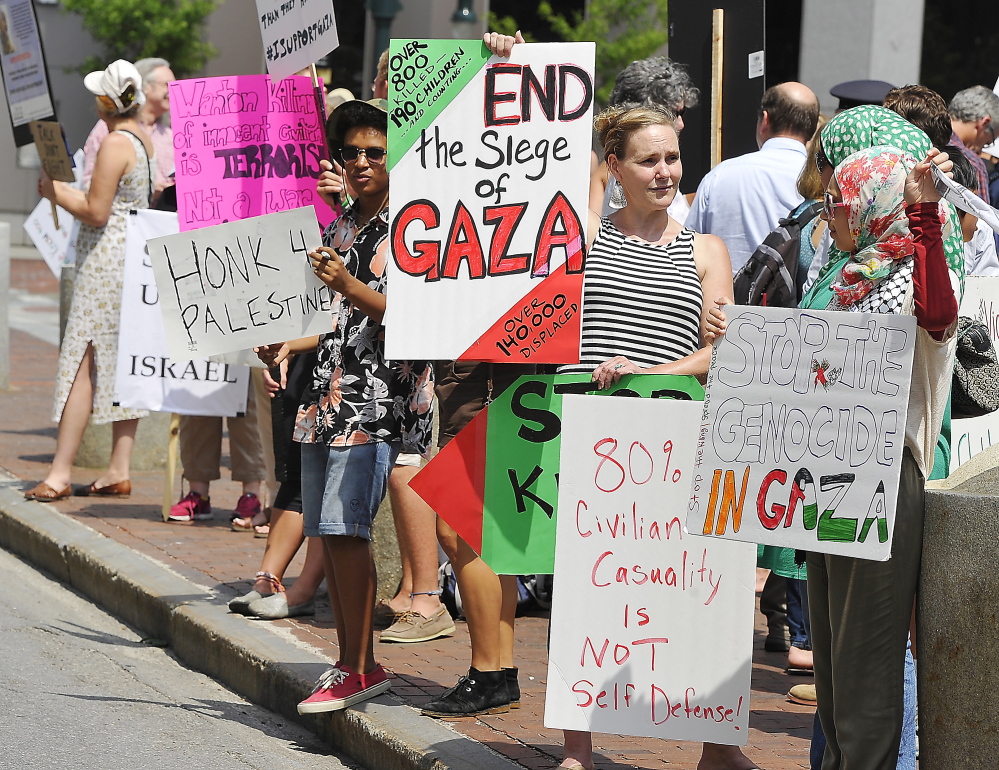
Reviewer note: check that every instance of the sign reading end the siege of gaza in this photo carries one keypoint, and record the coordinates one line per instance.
(801, 440)
(490, 177)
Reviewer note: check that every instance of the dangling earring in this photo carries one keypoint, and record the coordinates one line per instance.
(617, 199)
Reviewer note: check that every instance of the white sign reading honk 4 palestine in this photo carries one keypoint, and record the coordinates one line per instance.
(240, 285)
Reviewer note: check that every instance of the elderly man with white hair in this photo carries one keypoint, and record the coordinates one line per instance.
(154, 117)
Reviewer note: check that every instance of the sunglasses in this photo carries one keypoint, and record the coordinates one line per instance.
(374, 155)
(829, 206)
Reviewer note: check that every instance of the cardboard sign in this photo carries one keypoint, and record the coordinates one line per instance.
(801, 440)
(490, 180)
(972, 435)
(22, 62)
(652, 627)
(52, 150)
(245, 146)
(496, 483)
(146, 377)
(53, 241)
(296, 33)
(239, 285)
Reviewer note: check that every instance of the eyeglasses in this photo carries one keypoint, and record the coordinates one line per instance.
(829, 206)
(821, 161)
(992, 131)
(374, 155)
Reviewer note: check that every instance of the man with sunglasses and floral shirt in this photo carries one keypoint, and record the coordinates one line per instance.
(360, 411)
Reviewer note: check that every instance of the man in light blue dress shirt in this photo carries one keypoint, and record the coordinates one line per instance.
(741, 199)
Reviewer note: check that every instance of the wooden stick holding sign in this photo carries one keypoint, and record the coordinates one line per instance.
(717, 71)
(54, 155)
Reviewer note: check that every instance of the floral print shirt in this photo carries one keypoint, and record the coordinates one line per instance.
(356, 396)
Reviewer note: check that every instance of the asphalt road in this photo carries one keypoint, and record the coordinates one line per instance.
(78, 689)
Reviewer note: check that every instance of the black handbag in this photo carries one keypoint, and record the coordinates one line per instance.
(975, 386)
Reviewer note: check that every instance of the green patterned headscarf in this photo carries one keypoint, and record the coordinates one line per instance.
(859, 129)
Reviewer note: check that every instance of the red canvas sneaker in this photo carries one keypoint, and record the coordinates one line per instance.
(192, 507)
(341, 687)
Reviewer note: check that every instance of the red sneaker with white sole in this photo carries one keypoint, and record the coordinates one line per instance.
(341, 687)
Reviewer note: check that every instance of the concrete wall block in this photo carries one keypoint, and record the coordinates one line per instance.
(958, 632)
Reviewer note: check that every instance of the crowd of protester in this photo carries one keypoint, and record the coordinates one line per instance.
(340, 451)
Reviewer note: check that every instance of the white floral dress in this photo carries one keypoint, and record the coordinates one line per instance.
(94, 314)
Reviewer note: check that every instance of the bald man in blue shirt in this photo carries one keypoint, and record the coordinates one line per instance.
(741, 199)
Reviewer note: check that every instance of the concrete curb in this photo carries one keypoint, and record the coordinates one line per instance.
(382, 733)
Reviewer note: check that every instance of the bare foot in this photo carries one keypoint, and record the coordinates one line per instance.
(799, 658)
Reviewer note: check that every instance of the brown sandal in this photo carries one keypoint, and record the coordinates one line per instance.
(121, 489)
(43, 493)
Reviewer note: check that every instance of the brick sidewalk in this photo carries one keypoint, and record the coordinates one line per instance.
(213, 556)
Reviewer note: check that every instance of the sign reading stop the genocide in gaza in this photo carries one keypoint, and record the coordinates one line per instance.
(489, 161)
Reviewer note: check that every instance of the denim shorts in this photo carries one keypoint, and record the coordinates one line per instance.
(342, 487)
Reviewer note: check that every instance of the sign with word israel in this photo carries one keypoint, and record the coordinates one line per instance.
(146, 377)
(240, 285)
(800, 444)
(244, 146)
(652, 626)
(490, 166)
(295, 33)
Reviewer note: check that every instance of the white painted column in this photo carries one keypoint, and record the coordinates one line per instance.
(859, 40)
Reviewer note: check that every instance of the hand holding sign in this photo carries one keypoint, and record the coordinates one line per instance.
(330, 186)
(919, 185)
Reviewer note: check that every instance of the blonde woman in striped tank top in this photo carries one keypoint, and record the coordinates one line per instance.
(649, 284)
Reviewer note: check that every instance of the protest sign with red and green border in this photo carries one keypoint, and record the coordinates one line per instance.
(489, 162)
(496, 482)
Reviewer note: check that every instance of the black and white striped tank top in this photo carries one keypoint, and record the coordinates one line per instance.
(640, 300)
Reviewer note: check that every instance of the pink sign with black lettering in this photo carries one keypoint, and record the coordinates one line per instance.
(245, 146)
(652, 627)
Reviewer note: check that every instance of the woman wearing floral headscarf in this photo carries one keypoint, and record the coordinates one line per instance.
(894, 261)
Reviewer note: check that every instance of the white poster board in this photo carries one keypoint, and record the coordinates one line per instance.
(490, 162)
(652, 627)
(295, 33)
(53, 242)
(241, 284)
(801, 440)
(146, 377)
(972, 435)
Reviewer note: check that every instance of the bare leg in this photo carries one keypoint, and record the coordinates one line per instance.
(482, 600)
(201, 487)
(282, 544)
(305, 586)
(715, 756)
(75, 416)
(578, 749)
(354, 586)
(122, 441)
(415, 526)
(341, 639)
(508, 616)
